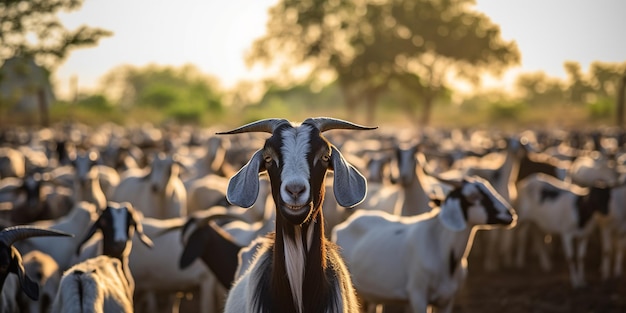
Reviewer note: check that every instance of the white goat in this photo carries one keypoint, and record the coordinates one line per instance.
(429, 250)
(77, 222)
(104, 283)
(557, 207)
(158, 194)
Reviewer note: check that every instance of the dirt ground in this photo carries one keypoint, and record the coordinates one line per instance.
(533, 291)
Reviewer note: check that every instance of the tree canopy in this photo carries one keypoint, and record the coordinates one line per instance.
(31, 27)
(372, 46)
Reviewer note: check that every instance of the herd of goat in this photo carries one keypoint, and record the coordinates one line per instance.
(275, 216)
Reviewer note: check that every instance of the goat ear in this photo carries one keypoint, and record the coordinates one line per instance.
(451, 216)
(243, 188)
(136, 218)
(30, 288)
(349, 185)
(92, 230)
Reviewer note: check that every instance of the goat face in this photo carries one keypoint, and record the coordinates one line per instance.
(163, 168)
(297, 158)
(84, 163)
(117, 223)
(475, 202)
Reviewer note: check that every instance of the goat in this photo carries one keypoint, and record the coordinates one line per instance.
(498, 243)
(77, 222)
(209, 242)
(45, 270)
(11, 259)
(164, 258)
(299, 270)
(12, 163)
(158, 194)
(93, 182)
(104, 283)
(35, 199)
(613, 234)
(557, 207)
(429, 250)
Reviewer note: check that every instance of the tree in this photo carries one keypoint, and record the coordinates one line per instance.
(418, 45)
(182, 91)
(31, 27)
(538, 89)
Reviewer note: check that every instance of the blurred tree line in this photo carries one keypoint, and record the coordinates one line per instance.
(367, 57)
(30, 32)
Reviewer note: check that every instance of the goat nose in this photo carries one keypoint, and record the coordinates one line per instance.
(295, 190)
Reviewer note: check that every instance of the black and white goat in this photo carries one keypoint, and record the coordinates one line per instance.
(558, 207)
(11, 259)
(420, 260)
(299, 270)
(104, 282)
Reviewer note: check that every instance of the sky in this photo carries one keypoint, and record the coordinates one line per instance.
(214, 35)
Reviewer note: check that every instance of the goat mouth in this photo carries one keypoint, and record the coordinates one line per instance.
(296, 212)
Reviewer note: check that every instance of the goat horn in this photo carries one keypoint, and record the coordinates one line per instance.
(263, 126)
(328, 123)
(10, 235)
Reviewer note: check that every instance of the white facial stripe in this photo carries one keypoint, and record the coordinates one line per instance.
(295, 169)
(120, 219)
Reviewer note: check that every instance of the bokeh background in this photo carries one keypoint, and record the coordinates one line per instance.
(440, 62)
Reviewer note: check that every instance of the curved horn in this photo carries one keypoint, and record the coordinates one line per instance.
(328, 123)
(10, 235)
(263, 126)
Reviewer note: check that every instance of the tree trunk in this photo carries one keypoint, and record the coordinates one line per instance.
(621, 95)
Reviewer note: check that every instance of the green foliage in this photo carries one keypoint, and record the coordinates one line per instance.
(96, 102)
(505, 110)
(183, 89)
(52, 41)
(370, 44)
(159, 96)
(601, 108)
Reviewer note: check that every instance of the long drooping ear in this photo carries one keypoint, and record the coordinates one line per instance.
(30, 288)
(243, 188)
(349, 185)
(451, 216)
(135, 218)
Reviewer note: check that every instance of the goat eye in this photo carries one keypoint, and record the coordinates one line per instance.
(325, 157)
(268, 159)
